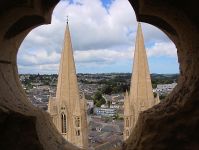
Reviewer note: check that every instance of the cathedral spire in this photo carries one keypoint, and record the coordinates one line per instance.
(67, 87)
(65, 109)
(141, 95)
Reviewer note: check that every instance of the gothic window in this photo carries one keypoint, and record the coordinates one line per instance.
(127, 132)
(77, 132)
(127, 122)
(77, 121)
(63, 123)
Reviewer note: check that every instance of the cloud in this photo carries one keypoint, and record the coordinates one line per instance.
(102, 57)
(101, 60)
(38, 57)
(42, 69)
(92, 26)
(167, 49)
(101, 36)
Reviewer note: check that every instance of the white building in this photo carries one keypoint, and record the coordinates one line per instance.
(165, 88)
(105, 111)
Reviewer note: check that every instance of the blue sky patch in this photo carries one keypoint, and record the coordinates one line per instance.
(107, 3)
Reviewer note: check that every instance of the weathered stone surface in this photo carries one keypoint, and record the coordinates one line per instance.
(174, 123)
(17, 129)
(22, 126)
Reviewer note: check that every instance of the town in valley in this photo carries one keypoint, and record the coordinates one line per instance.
(104, 93)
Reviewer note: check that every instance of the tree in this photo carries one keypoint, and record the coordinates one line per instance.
(98, 99)
(107, 89)
(116, 116)
(154, 85)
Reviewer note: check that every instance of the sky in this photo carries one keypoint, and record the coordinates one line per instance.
(103, 38)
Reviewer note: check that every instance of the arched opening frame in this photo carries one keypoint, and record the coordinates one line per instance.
(179, 22)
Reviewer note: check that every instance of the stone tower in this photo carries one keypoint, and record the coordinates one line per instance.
(67, 109)
(141, 96)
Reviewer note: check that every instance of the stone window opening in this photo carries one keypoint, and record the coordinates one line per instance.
(63, 123)
(77, 132)
(127, 132)
(127, 122)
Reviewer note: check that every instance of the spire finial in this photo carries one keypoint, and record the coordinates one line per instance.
(67, 20)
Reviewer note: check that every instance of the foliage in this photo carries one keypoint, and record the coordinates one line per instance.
(116, 116)
(162, 97)
(115, 85)
(163, 79)
(88, 97)
(98, 99)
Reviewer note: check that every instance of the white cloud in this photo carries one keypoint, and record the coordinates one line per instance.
(92, 27)
(38, 57)
(43, 69)
(162, 49)
(103, 56)
(100, 36)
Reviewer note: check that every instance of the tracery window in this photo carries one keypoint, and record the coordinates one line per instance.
(77, 132)
(127, 132)
(63, 123)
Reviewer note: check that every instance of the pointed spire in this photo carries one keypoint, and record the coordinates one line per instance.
(83, 96)
(126, 94)
(67, 96)
(157, 99)
(49, 103)
(141, 95)
(84, 102)
(67, 87)
(126, 104)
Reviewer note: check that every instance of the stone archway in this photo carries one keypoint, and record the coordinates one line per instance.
(173, 124)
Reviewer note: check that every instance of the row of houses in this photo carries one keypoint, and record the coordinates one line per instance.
(162, 89)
